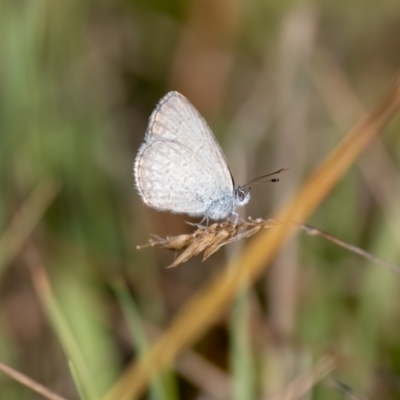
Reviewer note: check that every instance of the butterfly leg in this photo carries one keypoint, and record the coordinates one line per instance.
(205, 218)
(236, 217)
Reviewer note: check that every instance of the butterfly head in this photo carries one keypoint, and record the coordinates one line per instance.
(242, 195)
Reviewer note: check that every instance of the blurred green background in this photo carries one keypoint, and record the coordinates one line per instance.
(279, 83)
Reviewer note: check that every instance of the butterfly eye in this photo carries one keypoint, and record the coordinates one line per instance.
(240, 195)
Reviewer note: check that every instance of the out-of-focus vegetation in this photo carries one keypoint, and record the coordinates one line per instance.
(279, 83)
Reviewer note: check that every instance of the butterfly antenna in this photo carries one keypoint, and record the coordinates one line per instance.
(259, 180)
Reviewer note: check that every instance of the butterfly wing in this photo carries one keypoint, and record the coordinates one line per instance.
(180, 167)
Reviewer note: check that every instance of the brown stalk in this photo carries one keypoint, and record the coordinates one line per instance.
(211, 239)
(368, 256)
(196, 369)
(303, 383)
(30, 383)
(26, 219)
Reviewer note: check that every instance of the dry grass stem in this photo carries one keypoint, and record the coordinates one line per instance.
(370, 257)
(196, 369)
(346, 392)
(211, 239)
(25, 220)
(208, 239)
(302, 384)
(30, 383)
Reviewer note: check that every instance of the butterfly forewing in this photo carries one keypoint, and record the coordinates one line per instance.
(180, 167)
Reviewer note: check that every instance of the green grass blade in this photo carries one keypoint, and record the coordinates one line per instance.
(81, 373)
(241, 358)
(163, 387)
